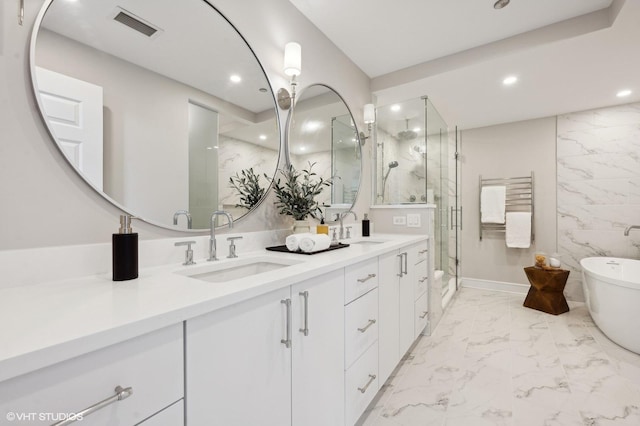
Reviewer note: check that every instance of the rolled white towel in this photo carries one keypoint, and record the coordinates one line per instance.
(314, 242)
(293, 241)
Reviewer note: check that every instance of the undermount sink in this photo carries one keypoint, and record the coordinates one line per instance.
(233, 270)
(368, 242)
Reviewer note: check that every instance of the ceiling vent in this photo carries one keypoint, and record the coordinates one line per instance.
(135, 23)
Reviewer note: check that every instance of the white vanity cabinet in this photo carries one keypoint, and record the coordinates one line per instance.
(360, 337)
(151, 365)
(397, 288)
(421, 307)
(254, 364)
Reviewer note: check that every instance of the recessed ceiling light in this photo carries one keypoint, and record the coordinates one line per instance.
(235, 78)
(508, 81)
(623, 93)
(395, 107)
(500, 4)
(263, 137)
(263, 90)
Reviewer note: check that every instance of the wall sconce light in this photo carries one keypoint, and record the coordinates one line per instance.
(369, 119)
(292, 68)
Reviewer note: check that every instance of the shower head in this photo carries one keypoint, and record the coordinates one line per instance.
(407, 134)
(393, 164)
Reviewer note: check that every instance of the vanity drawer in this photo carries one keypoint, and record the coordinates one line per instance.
(421, 313)
(422, 279)
(361, 326)
(360, 278)
(422, 251)
(152, 365)
(361, 385)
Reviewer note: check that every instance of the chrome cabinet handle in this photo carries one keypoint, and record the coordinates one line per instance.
(461, 218)
(367, 278)
(369, 324)
(372, 377)
(400, 258)
(305, 330)
(451, 218)
(424, 314)
(423, 251)
(121, 393)
(406, 270)
(423, 279)
(287, 341)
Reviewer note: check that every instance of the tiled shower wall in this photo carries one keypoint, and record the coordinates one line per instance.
(598, 187)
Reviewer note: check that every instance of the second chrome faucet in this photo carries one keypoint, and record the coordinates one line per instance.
(212, 237)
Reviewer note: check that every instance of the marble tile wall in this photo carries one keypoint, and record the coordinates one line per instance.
(598, 187)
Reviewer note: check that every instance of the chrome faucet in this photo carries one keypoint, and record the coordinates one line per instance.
(341, 217)
(184, 212)
(212, 238)
(626, 231)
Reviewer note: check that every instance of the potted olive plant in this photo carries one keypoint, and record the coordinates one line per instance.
(296, 194)
(247, 184)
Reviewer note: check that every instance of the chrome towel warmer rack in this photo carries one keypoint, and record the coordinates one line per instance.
(519, 198)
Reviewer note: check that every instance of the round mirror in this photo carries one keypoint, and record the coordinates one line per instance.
(322, 134)
(160, 105)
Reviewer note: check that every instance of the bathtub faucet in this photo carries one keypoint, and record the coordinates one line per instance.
(626, 231)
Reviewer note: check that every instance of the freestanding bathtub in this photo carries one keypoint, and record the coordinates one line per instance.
(612, 294)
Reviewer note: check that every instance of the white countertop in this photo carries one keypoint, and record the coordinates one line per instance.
(48, 323)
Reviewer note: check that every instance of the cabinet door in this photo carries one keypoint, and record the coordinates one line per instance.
(389, 314)
(238, 371)
(318, 354)
(407, 300)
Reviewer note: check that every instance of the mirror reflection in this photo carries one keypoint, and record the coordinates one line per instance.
(322, 132)
(157, 104)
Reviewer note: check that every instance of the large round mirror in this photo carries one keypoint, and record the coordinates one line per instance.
(160, 105)
(322, 133)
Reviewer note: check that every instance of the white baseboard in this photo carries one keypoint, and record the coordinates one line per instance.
(495, 285)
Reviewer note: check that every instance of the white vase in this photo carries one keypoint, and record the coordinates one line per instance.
(301, 226)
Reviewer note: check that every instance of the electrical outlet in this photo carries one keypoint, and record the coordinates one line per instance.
(413, 220)
(400, 220)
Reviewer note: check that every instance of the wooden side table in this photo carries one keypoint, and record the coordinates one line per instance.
(546, 291)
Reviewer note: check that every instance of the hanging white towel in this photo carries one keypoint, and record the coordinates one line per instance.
(293, 241)
(314, 242)
(492, 204)
(518, 230)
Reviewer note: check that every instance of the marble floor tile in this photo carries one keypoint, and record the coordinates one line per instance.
(492, 361)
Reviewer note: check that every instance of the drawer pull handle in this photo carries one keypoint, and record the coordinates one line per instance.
(423, 279)
(423, 251)
(371, 322)
(305, 330)
(372, 377)
(287, 341)
(367, 278)
(121, 393)
(424, 314)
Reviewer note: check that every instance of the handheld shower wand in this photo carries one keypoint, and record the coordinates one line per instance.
(392, 165)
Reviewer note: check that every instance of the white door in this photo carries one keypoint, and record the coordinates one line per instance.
(318, 356)
(407, 299)
(238, 371)
(73, 109)
(389, 314)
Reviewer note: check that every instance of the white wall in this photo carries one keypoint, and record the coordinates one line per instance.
(44, 202)
(508, 150)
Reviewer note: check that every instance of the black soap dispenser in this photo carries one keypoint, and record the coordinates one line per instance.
(366, 231)
(125, 251)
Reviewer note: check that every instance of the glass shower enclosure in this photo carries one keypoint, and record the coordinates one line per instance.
(416, 162)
